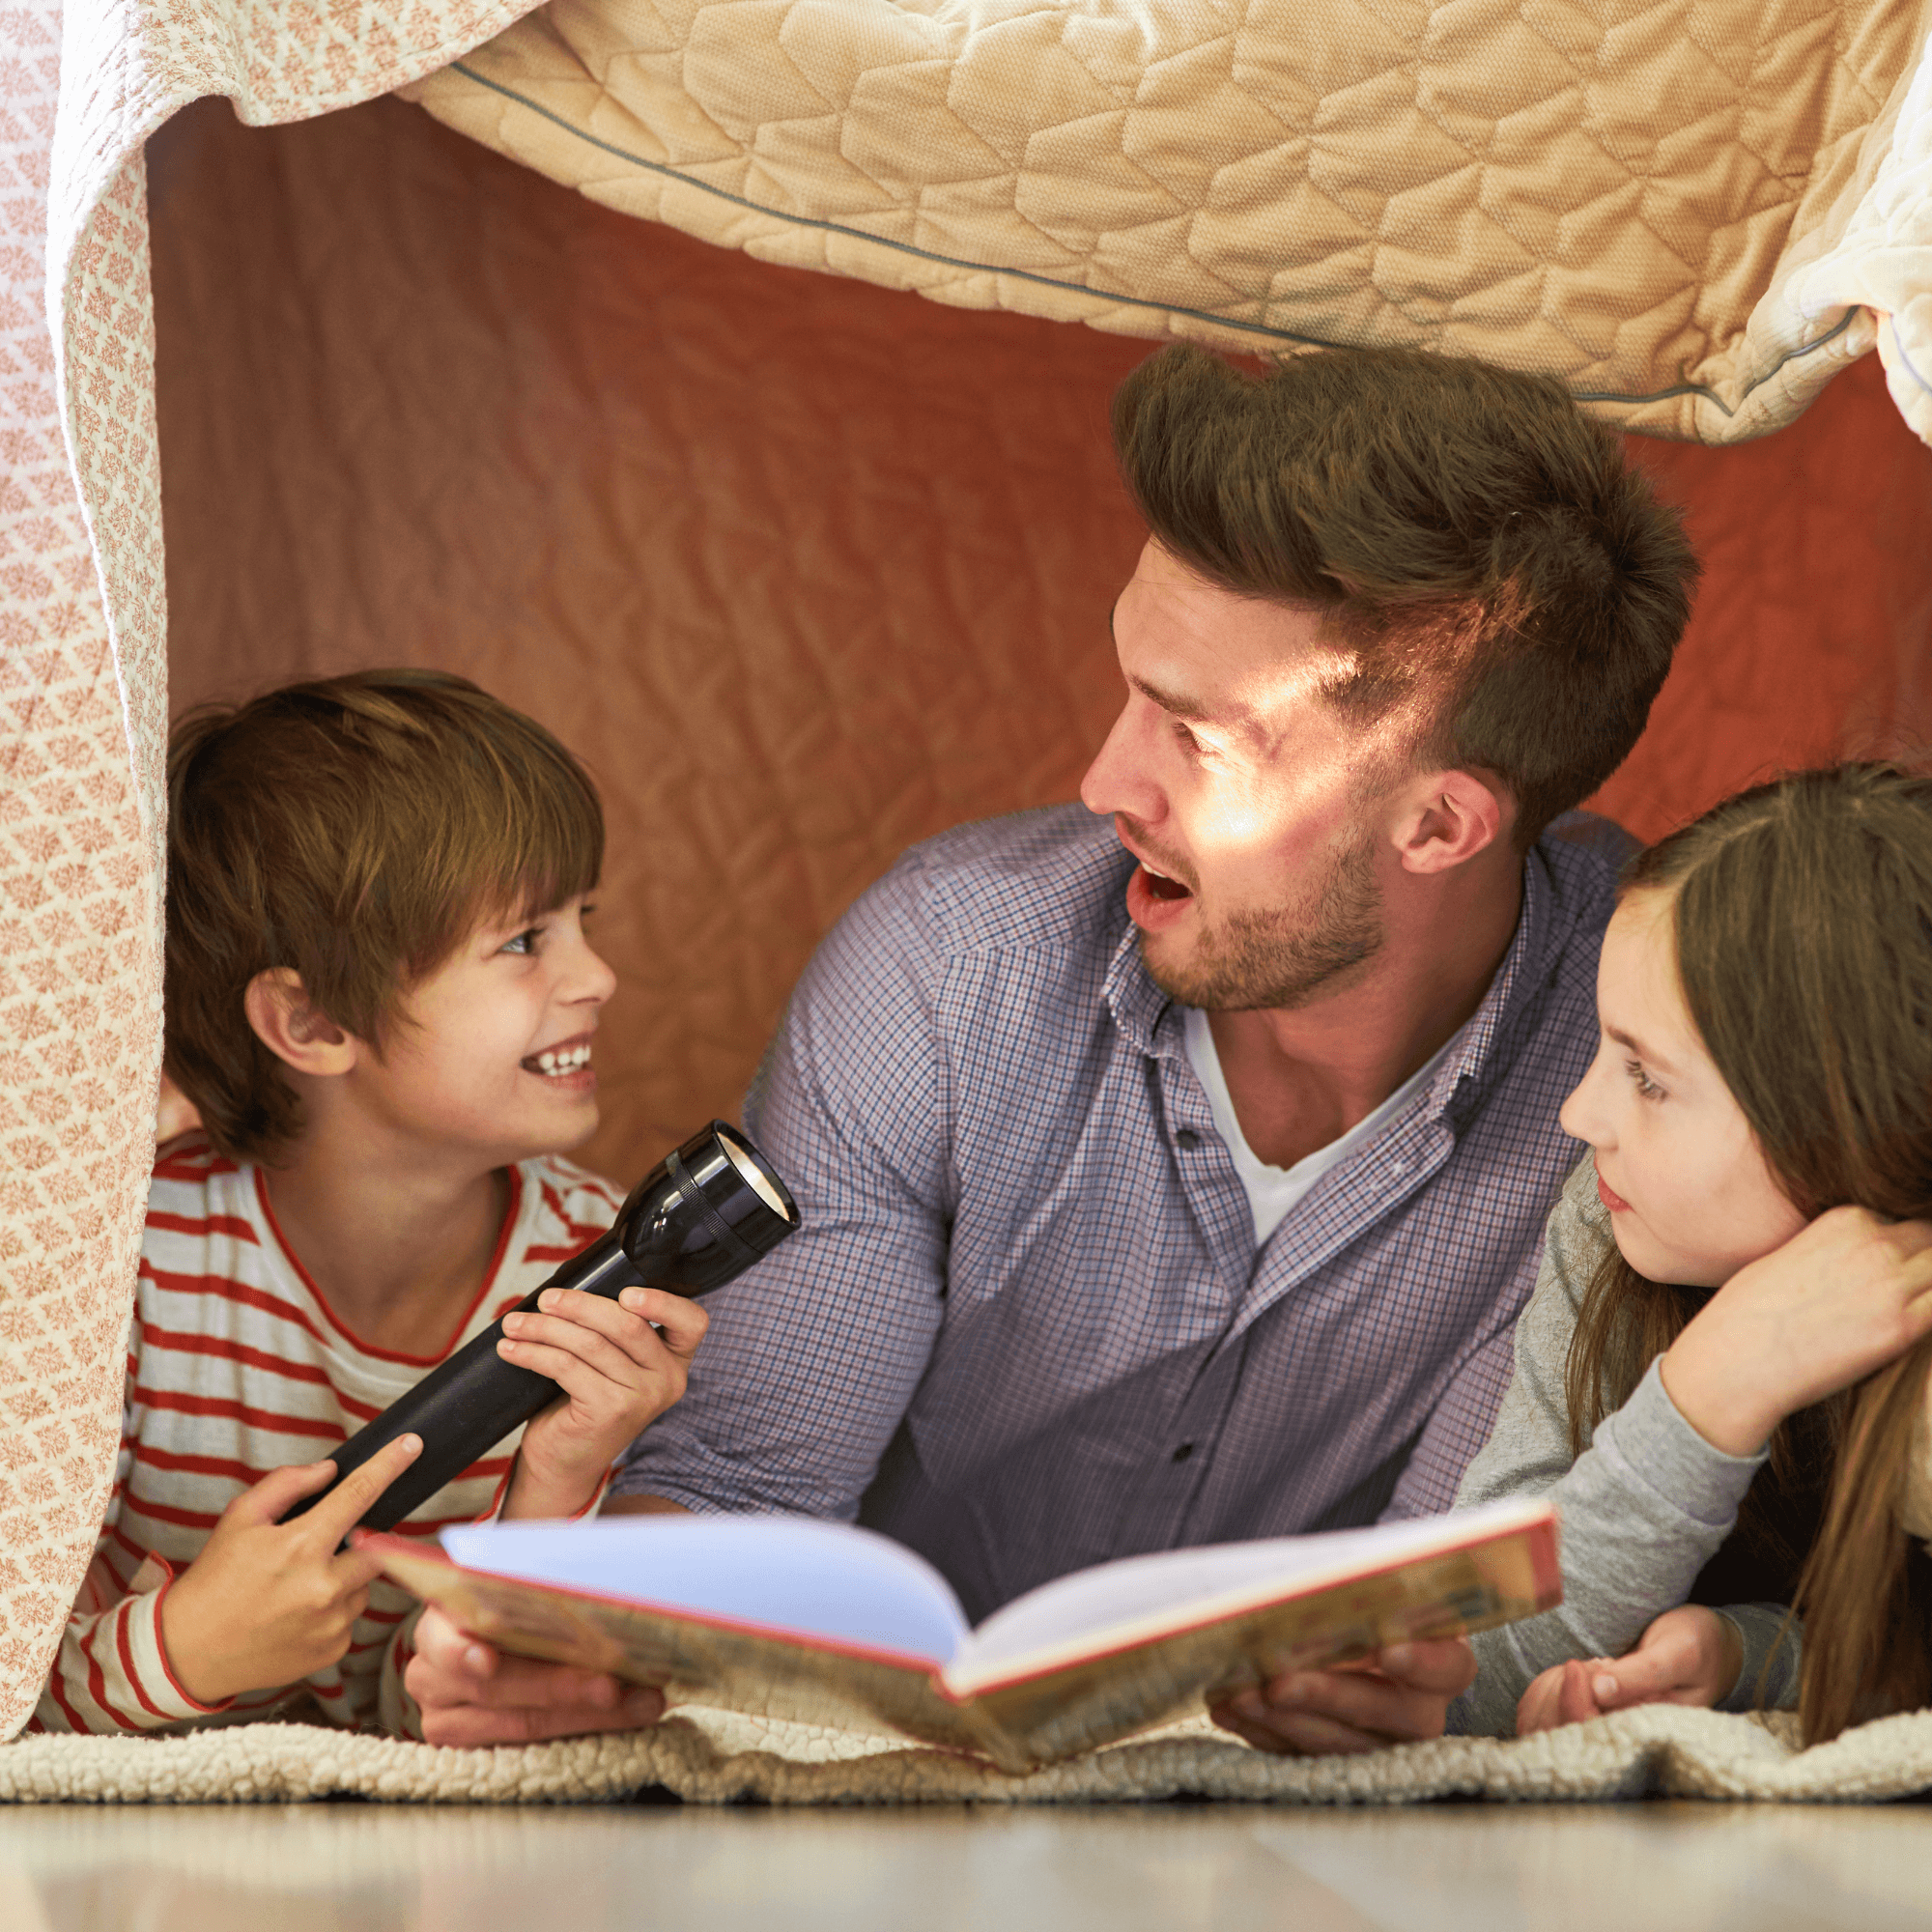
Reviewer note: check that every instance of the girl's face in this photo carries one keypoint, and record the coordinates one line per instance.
(1691, 1198)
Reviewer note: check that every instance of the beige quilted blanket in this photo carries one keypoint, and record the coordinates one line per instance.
(1720, 200)
(1693, 213)
(711, 1757)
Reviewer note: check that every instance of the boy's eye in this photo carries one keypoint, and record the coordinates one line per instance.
(524, 941)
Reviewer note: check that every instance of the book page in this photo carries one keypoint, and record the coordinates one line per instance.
(814, 1579)
(1051, 1703)
(1136, 1595)
(691, 1658)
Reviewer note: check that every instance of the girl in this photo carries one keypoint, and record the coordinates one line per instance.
(1737, 1286)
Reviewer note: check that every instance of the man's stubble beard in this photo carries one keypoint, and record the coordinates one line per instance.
(1284, 955)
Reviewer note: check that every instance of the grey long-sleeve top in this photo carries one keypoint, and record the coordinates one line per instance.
(1644, 1507)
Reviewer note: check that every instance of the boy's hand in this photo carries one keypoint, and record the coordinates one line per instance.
(1842, 1297)
(266, 1602)
(617, 1372)
(472, 1694)
(175, 1114)
(1397, 1697)
(1688, 1656)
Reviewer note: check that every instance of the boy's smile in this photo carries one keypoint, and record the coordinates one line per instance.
(566, 1063)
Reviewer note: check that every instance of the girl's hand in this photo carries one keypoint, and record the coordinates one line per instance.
(617, 1372)
(1688, 1656)
(1842, 1297)
(267, 1602)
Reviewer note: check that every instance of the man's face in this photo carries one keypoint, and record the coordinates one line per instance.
(1242, 792)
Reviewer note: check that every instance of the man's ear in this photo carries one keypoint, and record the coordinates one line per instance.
(1449, 816)
(295, 1032)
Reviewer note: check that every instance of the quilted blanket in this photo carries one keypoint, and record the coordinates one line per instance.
(1814, 180)
(1693, 213)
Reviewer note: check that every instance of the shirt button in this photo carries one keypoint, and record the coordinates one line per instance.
(1182, 1453)
(1187, 1140)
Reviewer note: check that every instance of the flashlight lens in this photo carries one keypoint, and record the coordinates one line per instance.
(756, 1177)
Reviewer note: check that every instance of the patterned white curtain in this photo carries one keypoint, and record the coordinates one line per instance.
(83, 698)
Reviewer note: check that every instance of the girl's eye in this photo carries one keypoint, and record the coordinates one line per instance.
(526, 942)
(1647, 1088)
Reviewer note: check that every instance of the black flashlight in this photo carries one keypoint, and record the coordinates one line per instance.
(698, 1219)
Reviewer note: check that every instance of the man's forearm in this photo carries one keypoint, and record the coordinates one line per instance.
(641, 1506)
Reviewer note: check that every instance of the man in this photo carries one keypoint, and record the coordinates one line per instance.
(1180, 1179)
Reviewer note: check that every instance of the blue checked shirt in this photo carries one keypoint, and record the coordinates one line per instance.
(1026, 1327)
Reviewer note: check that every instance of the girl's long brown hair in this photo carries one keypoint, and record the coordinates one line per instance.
(1802, 913)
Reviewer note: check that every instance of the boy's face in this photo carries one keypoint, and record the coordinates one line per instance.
(492, 1050)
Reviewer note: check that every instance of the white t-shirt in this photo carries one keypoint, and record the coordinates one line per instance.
(1273, 1191)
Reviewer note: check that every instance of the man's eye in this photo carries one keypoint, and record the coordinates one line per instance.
(1186, 736)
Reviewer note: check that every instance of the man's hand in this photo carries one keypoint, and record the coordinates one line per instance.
(1842, 1297)
(266, 1602)
(1688, 1656)
(1397, 1697)
(621, 1365)
(472, 1694)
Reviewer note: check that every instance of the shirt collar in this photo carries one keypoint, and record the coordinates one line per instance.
(1474, 1048)
(1148, 1021)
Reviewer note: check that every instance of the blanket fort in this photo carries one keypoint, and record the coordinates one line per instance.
(85, 646)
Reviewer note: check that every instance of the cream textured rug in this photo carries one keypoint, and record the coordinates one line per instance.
(715, 1757)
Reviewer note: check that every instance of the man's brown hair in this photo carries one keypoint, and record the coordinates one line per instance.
(1505, 580)
(1802, 914)
(354, 830)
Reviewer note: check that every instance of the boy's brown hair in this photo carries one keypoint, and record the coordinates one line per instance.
(352, 830)
(1507, 584)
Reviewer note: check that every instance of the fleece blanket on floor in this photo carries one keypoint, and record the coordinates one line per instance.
(715, 1757)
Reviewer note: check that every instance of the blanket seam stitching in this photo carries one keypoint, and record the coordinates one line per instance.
(670, 173)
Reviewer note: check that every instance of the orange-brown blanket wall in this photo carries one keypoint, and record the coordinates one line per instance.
(805, 570)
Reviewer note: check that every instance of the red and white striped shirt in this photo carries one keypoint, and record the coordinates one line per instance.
(237, 1365)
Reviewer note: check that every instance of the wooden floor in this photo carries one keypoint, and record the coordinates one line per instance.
(372, 1868)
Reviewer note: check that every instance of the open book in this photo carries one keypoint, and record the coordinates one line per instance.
(824, 1623)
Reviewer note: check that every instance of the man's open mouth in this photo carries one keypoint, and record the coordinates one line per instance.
(1162, 887)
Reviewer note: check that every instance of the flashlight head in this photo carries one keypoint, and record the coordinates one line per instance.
(705, 1213)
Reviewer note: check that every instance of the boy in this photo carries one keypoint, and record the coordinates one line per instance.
(380, 1001)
